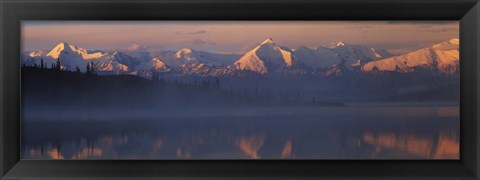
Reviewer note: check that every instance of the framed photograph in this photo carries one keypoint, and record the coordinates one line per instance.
(240, 89)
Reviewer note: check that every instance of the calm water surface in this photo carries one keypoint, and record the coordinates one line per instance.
(356, 131)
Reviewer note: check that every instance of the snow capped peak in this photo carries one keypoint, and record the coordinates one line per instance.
(452, 44)
(69, 47)
(123, 58)
(158, 64)
(185, 51)
(340, 43)
(250, 61)
(186, 55)
(62, 47)
(454, 41)
(70, 51)
(268, 41)
(443, 56)
(266, 58)
(267, 55)
(352, 52)
(155, 64)
(36, 53)
(320, 57)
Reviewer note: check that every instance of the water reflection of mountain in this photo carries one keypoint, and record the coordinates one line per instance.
(319, 136)
(443, 146)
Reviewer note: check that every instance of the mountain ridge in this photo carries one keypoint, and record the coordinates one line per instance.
(267, 58)
(443, 56)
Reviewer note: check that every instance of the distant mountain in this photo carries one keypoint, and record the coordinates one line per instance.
(350, 56)
(442, 57)
(354, 54)
(116, 63)
(338, 72)
(190, 56)
(124, 59)
(204, 70)
(267, 59)
(320, 58)
(72, 56)
(155, 64)
(37, 53)
(267, 56)
(69, 51)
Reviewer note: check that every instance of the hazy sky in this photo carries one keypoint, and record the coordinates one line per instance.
(234, 36)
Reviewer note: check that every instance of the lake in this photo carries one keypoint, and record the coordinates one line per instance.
(355, 131)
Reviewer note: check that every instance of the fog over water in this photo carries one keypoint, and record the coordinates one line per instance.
(355, 131)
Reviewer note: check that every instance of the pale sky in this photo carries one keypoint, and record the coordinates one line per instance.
(234, 36)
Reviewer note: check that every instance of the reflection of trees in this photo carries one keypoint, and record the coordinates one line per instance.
(158, 145)
(287, 149)
(55, 154)
(88, 152)
(183, 153)
(250, 145)
(237, 138)
(446, 146)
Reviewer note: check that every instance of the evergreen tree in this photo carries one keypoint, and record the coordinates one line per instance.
(58, 66)
(41, 63)
(92, 68)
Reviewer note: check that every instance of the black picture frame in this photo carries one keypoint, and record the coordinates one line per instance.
(12, 12)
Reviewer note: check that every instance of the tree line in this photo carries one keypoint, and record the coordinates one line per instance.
(57, 66)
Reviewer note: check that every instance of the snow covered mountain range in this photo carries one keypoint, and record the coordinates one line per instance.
(443, 57)
(267, 59)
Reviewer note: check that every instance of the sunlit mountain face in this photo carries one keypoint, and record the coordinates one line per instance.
(271, 100)
(267, 58)
(341, 68)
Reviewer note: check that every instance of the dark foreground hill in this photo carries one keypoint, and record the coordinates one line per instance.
(48, 89)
